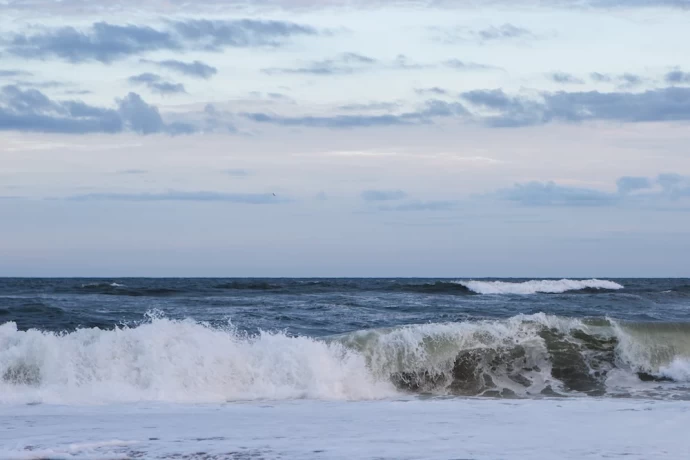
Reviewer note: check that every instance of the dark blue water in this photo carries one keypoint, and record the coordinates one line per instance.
(318, 307)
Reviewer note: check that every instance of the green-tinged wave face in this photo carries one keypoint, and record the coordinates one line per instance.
(529, 356)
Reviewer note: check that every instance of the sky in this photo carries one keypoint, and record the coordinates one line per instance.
(331, 138)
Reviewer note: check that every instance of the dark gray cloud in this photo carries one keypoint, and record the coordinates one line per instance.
(245, 198)
(196, 69)
(630, 191)
(106, 42)
(383, 195)
(566, 78)
(31, 110)
(156, 83)
(663, 104)
(431, 109)
(677, 76)
(14, 73)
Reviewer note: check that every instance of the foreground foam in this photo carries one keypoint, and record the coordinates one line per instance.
(432, 429)
(538, 286)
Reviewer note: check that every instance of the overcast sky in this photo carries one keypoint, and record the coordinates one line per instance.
(333, 138)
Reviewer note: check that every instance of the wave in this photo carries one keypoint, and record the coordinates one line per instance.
(117, 289)
(186, 361)
(249, 285)
(439, 287)
(540, 286)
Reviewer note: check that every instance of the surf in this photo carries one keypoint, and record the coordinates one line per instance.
(525, 356)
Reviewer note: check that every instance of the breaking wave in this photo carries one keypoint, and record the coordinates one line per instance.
(186, 361)
(539, 286)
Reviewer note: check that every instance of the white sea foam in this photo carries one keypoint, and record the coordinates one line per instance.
(538, 286)
(678, 370)
(486, 429)
(169, 360)
(185, 361)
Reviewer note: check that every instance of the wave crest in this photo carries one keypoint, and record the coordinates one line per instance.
(539, 286)
(185, 361)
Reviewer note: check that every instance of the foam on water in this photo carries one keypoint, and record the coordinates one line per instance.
(183, 361)
(433, 429)
(186, 361)
(538, 286)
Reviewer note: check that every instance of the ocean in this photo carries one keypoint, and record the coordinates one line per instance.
(344, 368)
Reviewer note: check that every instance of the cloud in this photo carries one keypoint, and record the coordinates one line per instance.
(370, 106)
(625, 80)
(550, 194)
(106, 42)
(505, 32)
(649, 191)
(343, 64)
(457, 64)
(237, 172)
(244, 198)
(430, 110)
(156, 83)
(214, 35)
(562, 77)
(333, 121)
(196, 69)
(627, 184)
(492, 34)
(349, 63)
(32, 111)
(435, 90)
(133, 171)
(677, 76)
(14, 73)
(41, 84)
(383, 195)
(601, 77)
(496, 108)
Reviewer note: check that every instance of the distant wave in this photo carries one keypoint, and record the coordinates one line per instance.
(185, 361)
(249, 285)
(116, 289)
(439, 287)
(540, 286)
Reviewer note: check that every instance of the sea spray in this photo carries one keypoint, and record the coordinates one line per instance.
(538, 286)
(187, 361)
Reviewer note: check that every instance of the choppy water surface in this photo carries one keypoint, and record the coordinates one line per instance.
(209, 340)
